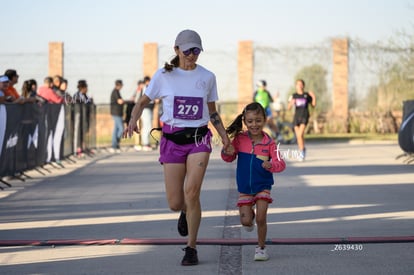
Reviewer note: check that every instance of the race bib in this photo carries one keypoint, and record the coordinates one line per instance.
(186, 107)
(300, 102)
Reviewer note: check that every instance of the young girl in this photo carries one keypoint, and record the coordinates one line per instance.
(257, 159)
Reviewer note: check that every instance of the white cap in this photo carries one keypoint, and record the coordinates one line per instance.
(188, 39)
(4, 78)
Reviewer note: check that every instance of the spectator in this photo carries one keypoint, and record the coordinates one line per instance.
(3, 79)
(81, 95)
(29, 88)
(134, 98)
(146, 119)
(117, 105)
(11, 92)
(57, 80)
(46, 92)
(62, 90)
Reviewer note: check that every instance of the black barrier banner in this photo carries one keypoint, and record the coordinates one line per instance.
(32, 135)
(12, 120)
(68, 133)
(406, 131)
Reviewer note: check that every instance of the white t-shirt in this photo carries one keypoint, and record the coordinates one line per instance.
(184, 95)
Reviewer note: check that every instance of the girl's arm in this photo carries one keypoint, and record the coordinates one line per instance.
(230, 154)
(276, 163)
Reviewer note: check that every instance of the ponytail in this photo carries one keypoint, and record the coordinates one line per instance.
(174, 63)
(236, 126)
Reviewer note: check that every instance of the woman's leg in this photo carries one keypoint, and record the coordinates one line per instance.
(300, 135)
(174, 174)
(196, 167)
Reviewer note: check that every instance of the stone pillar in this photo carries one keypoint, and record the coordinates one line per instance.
(55, 58)
(150, 59)
(149, 67)
(245, 73)
(340, 75)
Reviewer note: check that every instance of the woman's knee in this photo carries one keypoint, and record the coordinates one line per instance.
(192, 193)
(175, 204)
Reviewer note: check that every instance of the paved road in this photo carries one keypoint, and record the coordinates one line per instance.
(342, 190)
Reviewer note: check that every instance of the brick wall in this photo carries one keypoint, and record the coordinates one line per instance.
(245, 73)
(340, 75)
(55, 58)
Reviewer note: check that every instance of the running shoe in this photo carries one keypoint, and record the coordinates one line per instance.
(261, 254)
(248, 228)
(190, 257)
(182, 225)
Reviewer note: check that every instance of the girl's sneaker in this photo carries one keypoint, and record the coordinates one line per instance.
(261, 254)
(249, 228)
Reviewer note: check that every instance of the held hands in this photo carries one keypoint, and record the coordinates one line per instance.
(229, 150)
(226, 143)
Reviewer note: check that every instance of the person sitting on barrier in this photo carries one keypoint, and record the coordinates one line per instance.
(257, 158)
(11, 93)
(46, 93)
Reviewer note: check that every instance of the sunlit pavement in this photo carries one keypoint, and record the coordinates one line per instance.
(105, 206)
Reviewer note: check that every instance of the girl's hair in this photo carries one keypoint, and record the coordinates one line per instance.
(236, 127)
(174, 63)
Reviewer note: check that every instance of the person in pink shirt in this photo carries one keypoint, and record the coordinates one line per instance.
(46, 92)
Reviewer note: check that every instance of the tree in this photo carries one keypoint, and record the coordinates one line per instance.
(395, 60)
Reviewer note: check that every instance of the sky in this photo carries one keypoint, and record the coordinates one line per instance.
(124, 25)
(118, 26)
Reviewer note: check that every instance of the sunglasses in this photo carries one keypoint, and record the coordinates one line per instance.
(195, 51)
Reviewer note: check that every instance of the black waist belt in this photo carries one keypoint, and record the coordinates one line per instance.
(187, 136)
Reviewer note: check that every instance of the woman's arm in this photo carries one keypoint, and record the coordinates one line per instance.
(312, 94)
(215, 119)
(291, 101)
(135, 115)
